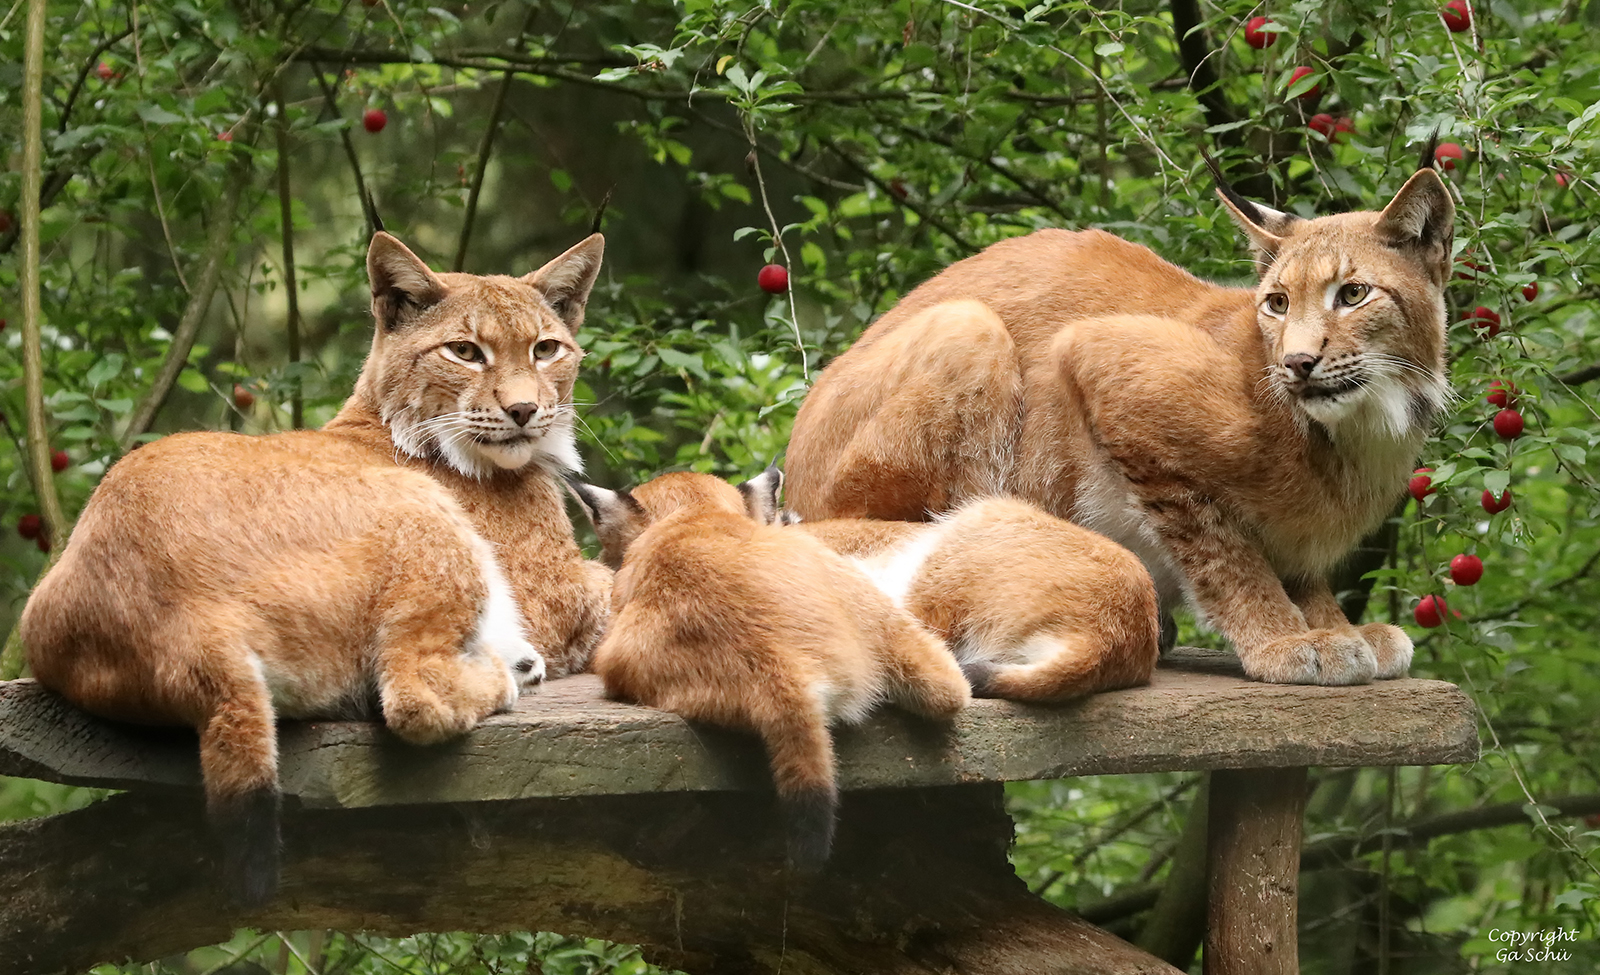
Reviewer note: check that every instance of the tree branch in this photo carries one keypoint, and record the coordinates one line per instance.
(1579, 377)
(368, 207)
(194, 313)
(923, 213)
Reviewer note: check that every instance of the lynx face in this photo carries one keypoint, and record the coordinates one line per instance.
(1351, 309)
(478, 371)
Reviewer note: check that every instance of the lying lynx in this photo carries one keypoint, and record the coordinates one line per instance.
(222, 581)
(1241, 442)
(723, 618)
(1035, 608)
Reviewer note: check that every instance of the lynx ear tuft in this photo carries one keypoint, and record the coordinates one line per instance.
(1265, 226)
(401, 282)
(567, 280)
(617, 517)
(1421, 218)
(761, 494)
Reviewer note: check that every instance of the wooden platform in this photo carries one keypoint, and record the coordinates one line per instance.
(568, 740)
(588, 816)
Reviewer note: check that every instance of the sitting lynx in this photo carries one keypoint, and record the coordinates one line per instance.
(1241, 442)
(222, 581)
(721, 617)
(1035, 608)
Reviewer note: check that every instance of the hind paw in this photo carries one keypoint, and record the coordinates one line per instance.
(1329, 657)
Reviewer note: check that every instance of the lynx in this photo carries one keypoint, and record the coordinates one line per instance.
(1240, 441)
(412, 558)
(722, 617)
(1034, 608)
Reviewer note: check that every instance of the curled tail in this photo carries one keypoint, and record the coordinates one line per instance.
(239, 763)
(801, 752)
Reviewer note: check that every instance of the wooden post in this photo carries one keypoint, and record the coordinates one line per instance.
(1254, 871)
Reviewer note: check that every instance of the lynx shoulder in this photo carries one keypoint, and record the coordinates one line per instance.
(1240, 441)
(722, 617)
(223, 581)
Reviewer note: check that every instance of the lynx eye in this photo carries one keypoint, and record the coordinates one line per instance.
(1353, 294)
(1278, 303)
(546, 349)
(465, 351)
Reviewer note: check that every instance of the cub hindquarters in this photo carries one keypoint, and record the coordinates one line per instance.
(1036, 608)
(221, 582)
(723, 618)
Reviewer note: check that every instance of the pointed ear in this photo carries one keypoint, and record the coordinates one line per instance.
(401, 283)
(761, 494)
(1265, 226)
(1421, 219)
(567, 280)
(617, 518)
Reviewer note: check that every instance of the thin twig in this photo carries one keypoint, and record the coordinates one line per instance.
(221, 230)
(486, 146)
(286, 218)
(368, 207)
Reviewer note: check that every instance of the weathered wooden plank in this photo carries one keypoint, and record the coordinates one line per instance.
(567, 740)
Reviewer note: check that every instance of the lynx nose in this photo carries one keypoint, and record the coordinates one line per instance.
(1301, 364)
(521, 413)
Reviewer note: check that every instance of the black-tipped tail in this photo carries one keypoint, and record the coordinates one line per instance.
(980, 676)
(247, 828)
(1169, 633)
(808, 823)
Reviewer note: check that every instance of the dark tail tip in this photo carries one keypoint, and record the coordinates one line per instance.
(1169, 632)
(247, 827)
(808, 822)
(980, 675)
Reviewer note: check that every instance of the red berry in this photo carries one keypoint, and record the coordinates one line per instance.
(1446, 155)
(1495, 505)
(242, 397)
(29, 526)
(1430, 612)
(1501, 394)
(1530, 291)
(1255, 36)
(43, 543)
(897, 188)
(1421, 484)
(105, 72)
(1508, 424)
(1486, 319)
(1469, 268)
(225, 136)
(1457, 16)
(1562, 180)
(2, 324)
(5, 220)
(374, 120)
(773, 279)
(1342, 127)
(1466, 570)
(59, 461)
(1592, 820)
(1322, 123)
(1304, 72)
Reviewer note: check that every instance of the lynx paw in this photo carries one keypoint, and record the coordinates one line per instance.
(1315, 657)
(1392, 648)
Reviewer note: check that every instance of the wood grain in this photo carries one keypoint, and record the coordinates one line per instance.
(568, 740)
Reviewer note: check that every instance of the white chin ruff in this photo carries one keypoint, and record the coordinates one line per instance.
(554, 450)
(1380, 409)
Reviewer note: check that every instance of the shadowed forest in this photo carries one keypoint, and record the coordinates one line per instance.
(212, 173)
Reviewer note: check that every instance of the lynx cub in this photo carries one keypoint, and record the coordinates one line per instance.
(413, 555)
(1035, 608)
(721, 617)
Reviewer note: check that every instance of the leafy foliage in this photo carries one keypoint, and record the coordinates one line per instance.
(865, 146)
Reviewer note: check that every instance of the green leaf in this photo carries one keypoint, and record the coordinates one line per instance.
(156, 115)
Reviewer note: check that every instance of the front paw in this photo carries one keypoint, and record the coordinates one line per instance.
(1327, 657)
(1392, 648)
